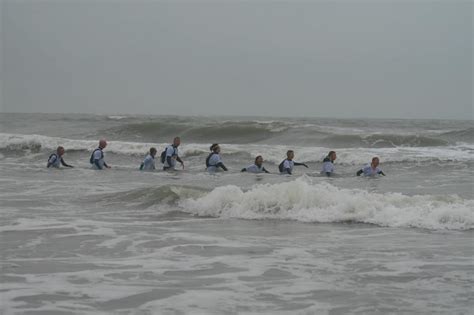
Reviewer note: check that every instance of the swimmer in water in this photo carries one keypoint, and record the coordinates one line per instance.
(286, 166)
(56, 159)
(257, 167)
(328, 164)
(213, 160)
(148, 163)
(170, 156)
(97, 157)
(371, 169)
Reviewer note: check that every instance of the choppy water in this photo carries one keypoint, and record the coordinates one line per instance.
(81, 241)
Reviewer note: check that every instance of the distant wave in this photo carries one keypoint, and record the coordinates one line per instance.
(271, 153)
(304, 201)
(227, 131)
(240, 132)
(463, 135)
(385, 140)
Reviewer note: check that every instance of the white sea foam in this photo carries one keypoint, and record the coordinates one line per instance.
(116, 117)
(29, 142)
(304, 201)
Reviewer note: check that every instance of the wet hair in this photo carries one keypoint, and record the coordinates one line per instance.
(59, 148)
(214, 146)
(375, 158)
(289, 151)
(152, 150)
(258, 156)
(331, 153)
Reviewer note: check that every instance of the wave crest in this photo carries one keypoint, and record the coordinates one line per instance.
(304, 201)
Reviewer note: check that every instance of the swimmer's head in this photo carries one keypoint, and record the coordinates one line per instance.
(60, 150)
(215, 148)
(375, 161)
(332, 155)
(102, 143)
(176, 141)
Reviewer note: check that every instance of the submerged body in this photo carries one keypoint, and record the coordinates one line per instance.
(148, 163)
(286, 166)
(171, 155)
(97, 158)
(328, 168)
(214, 161)
(368, 170)
(371, 169)
(257, 167)
(56, 159)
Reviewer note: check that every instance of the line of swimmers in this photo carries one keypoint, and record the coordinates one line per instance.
(170, 156)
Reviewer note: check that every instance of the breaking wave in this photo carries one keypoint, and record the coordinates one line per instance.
(304, 201)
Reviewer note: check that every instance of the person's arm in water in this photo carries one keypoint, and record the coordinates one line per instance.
(244, 170)
(298, 164)
(180, 161)
(65, 164)
(263, 169)
(381, 173)
(221, 165)
(359, 172)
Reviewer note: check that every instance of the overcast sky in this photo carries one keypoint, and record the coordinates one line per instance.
(408, 59)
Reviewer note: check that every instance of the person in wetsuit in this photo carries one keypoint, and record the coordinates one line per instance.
(286, 166)
(328, 164)
(56, 159)
(148, 163)
(257, 167)
(371, 169)
(214, 161)
(97, 157)
(170, 156)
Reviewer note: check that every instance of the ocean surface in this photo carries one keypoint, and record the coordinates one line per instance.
(122, 241)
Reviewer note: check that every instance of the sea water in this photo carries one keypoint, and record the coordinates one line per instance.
(122, 241)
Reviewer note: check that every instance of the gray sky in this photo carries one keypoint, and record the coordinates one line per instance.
(409, 59)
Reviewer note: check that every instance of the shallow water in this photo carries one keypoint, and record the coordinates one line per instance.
(121, 241)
